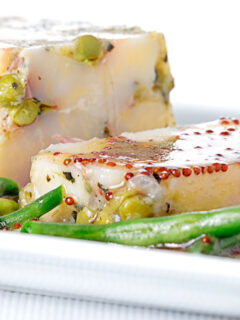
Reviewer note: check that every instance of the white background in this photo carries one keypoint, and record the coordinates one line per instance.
(203, 39)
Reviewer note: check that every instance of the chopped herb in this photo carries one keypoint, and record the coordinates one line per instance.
(36, 99)
(156, 76)
(156, 176)
(100, 186)
(44, 107)
(87, 187)
(168, 207)
(106, 131)
(74, 214)
(109, 47)
(68, 176)
(14, 85)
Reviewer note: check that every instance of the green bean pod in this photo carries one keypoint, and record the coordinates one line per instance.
(150, 231)
(8, 187)
(215, 246)
(7, 206)
(35, 209)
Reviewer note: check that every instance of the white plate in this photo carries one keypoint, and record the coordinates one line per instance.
(137, 276)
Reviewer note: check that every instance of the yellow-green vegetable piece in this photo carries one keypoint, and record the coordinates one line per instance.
(7, 206)
(127, 205)
(135, 208)
(85, 216)
(88, 49)
(111, 207)
(11, 90)
(25, 113)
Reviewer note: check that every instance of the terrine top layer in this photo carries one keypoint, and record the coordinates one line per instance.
(21, 32)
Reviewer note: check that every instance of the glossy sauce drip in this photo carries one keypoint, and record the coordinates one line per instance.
(208, 148)
(129, 151)
(201, 149)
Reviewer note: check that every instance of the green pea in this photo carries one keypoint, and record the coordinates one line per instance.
(7, 206)
(134, 208)
(88, 49)
(25, 113)
(11, 90)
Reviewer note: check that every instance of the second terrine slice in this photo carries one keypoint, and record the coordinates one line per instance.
(150, 173)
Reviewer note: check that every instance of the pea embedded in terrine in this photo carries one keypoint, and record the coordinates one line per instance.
(76, 80)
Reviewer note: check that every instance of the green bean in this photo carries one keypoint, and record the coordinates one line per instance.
(215, 245)
(35, 209)
(8, 187)
(150, 231)
(7, 206)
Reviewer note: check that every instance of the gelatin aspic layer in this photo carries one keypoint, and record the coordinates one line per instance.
(78, 81)
(150, 173)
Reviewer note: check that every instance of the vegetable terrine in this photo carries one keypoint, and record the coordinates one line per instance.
(76, 80)
(150, 173)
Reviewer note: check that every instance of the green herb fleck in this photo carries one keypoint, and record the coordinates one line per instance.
(109, 47)
(68, 176)
(74, 215)
(100, 186)
(87, 187)
(106, 132)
